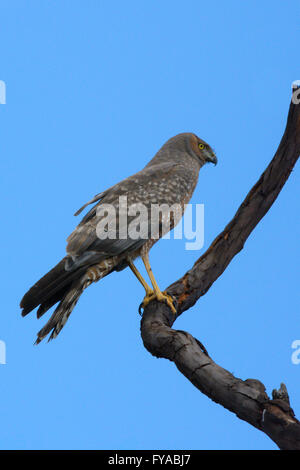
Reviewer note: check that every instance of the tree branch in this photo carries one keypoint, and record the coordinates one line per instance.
(247, 399)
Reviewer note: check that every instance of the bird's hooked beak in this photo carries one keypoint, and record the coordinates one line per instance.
(213, 158)
(210, 156)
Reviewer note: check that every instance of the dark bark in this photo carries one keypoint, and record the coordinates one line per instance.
(247, 399)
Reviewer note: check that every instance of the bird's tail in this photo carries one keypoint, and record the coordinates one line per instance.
(64, 287)
(64, 309)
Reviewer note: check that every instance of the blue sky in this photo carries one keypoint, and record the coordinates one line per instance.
(94, 89)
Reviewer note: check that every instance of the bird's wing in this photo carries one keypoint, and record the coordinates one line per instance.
(96, 198)
(84, 244)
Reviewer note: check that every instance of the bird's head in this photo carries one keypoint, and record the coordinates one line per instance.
(191, 144)
(182, 145)
(201, 150)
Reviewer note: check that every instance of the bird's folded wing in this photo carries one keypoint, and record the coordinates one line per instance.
(84, 238)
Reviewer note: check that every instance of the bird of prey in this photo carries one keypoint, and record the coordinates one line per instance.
(169, 178)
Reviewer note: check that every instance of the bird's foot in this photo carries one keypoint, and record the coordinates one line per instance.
(161, 297)
(148, 297)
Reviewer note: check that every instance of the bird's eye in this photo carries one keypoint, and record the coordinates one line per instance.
(201, 146)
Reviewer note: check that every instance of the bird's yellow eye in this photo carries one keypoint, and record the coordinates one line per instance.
(201, 146)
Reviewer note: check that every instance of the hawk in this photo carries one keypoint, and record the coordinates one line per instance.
(168, 179)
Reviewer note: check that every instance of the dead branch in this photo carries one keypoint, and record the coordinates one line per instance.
(247, 399)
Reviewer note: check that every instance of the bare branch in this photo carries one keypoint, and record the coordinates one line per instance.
(247, 399)
(228, 243)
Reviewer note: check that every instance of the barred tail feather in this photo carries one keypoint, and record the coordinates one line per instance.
(70, 298)
(63, 310)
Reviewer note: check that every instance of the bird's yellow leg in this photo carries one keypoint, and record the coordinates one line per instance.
(158, 295)
(149, 291)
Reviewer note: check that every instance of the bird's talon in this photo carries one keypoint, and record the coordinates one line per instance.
(141, 308)
(162, 297)
(170, 301)
(148, 297)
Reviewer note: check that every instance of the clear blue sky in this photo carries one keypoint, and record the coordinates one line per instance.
(94, 88)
